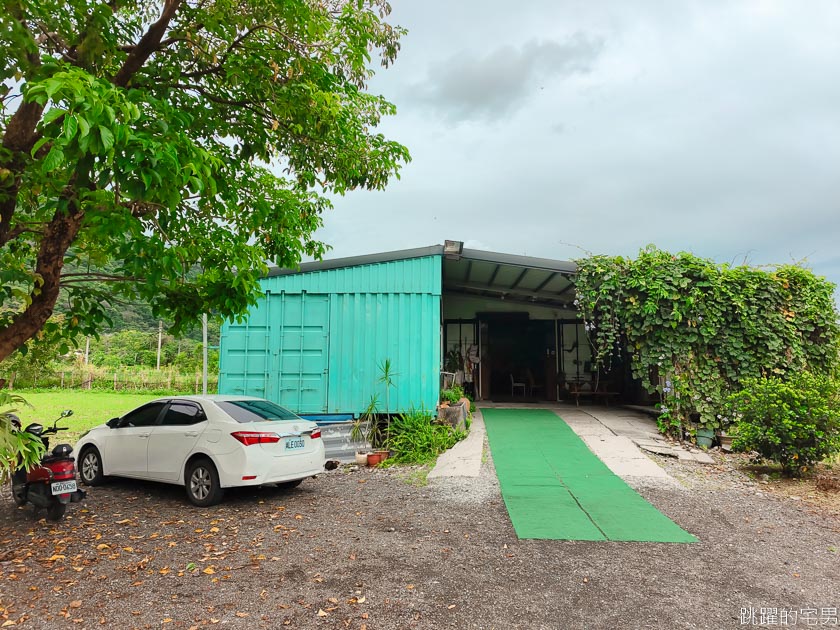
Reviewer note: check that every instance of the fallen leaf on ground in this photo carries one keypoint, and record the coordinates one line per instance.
(322, 613)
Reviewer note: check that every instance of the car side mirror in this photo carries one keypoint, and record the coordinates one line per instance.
(113, 423)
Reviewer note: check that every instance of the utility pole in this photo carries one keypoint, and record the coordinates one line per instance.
(204, 354)
(160, 339)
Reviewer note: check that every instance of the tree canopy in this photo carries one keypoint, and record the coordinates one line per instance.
(141, 146)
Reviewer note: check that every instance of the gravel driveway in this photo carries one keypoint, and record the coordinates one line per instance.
(361, 548)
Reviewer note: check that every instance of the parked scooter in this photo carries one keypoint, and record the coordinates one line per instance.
(52, 483)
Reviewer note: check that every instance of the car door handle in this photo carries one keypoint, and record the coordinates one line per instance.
(143, 435)
(191, 433)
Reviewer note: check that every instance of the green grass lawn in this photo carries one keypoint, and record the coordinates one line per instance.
(89, 409)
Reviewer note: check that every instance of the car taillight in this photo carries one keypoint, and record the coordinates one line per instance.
(255, 437)
(315, 434)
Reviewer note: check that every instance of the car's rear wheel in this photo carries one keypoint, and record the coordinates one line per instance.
(90, 467)
(289, 485)
(202, 483)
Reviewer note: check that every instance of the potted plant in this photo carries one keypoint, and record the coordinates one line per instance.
(365, 431)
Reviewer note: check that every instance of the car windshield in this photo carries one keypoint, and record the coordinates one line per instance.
(255, 411)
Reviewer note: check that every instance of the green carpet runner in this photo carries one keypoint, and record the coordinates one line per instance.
(555, 488)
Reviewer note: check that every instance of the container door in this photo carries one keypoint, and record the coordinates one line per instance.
(300, 334)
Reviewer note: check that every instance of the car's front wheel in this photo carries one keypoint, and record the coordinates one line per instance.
(90, 467)
(202, 482)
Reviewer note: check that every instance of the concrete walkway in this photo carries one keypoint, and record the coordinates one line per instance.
(610, 435)
(463, 459)
(615, 434)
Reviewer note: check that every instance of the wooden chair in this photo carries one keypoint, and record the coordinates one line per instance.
(532, 384)
(514, 385)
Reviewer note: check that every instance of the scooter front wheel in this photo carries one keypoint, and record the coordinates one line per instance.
(55, 511)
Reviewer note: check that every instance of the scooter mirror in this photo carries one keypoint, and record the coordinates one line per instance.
(35, 429)
(66, 413)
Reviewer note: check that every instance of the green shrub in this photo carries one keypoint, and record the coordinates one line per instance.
(795, 422)
(415, 439)
(452, 395)
(17, 448)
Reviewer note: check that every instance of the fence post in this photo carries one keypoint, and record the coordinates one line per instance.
(62, 379)
(197, 378)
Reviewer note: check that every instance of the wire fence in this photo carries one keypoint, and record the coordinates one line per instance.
(150, 380)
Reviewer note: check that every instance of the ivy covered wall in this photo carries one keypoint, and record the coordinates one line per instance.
(695, 329)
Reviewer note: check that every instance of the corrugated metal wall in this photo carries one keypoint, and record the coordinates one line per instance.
(388, 310)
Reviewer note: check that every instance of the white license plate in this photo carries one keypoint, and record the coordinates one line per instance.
(294, 444)
(63, 487)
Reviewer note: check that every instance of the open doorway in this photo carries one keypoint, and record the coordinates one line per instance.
(518, 359)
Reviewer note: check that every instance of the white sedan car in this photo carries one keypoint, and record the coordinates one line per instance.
(205, 443)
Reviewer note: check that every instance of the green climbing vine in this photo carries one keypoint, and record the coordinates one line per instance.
(694, 329)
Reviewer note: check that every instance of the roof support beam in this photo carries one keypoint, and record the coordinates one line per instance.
(469, 272)
(567, 289)
(551, 277)
(519, 279)
(523, 295)
(493, 275)
(512, 298)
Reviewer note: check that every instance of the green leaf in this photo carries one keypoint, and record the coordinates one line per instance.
(107, 138)
(70, 126)
(84, 127)
(54, 159)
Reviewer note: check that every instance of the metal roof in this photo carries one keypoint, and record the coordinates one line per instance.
(527, 279)
(354, 261)
(524, 279)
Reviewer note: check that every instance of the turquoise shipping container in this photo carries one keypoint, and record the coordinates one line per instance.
(316, 341)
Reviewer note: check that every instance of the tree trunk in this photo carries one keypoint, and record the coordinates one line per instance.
(57, 237)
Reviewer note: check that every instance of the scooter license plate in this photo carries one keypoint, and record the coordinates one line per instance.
(63, 487)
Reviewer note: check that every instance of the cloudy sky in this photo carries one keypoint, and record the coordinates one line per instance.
(554, 128)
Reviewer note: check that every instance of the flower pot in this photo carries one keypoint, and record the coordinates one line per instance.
(375, 458)
(361, 458)
(705, 437)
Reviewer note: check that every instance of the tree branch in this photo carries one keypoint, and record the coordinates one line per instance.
(147, 45)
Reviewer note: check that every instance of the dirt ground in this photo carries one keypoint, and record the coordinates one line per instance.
(361, 548)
